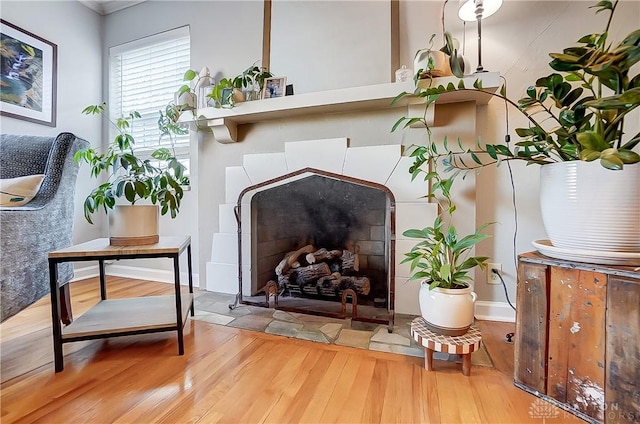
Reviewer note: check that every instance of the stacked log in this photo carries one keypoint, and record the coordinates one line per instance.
(350, 262)
(321, 272)
(322, 255)
(332, 286)
(307, 274)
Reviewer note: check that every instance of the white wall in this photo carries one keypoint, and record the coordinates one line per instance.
(76, 31)
(227, 37)
(312, 43)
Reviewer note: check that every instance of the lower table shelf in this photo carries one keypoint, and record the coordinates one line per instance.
(130, 315)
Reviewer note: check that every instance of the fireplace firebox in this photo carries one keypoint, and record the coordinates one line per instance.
(319, 241)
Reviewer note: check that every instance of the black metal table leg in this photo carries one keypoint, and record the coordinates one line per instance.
(193, 311)
(176, 276)
(55, 316)
(103, 280)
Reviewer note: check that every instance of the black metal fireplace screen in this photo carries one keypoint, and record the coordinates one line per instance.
(321, 241)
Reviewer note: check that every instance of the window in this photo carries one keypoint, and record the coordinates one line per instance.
(144, 75)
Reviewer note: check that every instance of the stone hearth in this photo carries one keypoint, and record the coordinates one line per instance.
(213, 308)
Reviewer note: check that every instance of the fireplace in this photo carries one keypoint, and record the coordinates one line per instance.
(318, 236)
(375, 177)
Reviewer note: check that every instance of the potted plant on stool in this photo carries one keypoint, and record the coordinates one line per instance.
(157, 178)
(441, 258)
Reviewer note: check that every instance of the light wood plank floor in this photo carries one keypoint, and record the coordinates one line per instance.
(238, 376)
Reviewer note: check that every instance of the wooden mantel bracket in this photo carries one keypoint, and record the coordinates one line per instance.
(224, 130)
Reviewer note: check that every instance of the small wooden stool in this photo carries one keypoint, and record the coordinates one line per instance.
(463, 345)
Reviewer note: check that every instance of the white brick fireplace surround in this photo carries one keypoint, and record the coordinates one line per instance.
(378, 164)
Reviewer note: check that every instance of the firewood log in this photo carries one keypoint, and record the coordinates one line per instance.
(350, 262)
(283, 266)
(302, 251)
(310, 274)
(361, 285)
(328, 286)
(322, 255)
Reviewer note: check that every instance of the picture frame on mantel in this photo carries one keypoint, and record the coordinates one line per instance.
(28, 72)
(274, 87)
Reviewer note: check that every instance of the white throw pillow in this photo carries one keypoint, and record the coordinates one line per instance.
(19, 191)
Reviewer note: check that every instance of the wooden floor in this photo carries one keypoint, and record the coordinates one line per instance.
(238, 376)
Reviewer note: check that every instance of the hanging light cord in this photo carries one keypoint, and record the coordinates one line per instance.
(444, 4)
(507, 138)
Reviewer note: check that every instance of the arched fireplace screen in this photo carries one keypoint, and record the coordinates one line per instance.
(318, 240)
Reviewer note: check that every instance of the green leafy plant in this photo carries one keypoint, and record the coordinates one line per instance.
(251, 76)
(159, 178)
(441, 256)
(224, 93)
(575, 113)
(456, 62)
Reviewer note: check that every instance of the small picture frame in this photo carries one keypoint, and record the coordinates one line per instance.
(29, 74)
(274, 87)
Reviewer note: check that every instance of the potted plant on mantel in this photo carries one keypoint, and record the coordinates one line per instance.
(430, 63)
(134, 178)
(441, 261)
(589, 210)
(229, 91)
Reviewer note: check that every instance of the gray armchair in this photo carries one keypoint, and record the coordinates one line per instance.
(29, 232)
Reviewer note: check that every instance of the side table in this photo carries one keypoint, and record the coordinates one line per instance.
(122, 317)
(577, 337)
(463, 345)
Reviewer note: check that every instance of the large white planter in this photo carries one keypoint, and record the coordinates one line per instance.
(133, 225)
(449, 312)
(586, 207)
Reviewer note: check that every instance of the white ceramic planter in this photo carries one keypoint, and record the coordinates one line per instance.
(449, 312)
(132, 225)
(186, 99)
(589, 208)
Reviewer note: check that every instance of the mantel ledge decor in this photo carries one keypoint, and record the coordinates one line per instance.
(224, 122)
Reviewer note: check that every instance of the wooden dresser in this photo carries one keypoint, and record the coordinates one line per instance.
(577, 341)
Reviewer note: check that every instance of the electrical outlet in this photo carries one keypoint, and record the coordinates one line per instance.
(492, 278)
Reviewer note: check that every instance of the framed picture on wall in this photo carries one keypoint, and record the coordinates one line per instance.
(274, 87)
(27, 75)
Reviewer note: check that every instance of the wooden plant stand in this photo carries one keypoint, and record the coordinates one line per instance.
(463, 345)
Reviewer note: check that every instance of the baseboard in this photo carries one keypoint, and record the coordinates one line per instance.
(85, 272)
(494, 311)
(139, 273)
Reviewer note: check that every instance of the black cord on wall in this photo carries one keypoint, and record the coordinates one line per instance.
(507, 139)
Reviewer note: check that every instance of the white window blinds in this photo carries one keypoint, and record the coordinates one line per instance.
(144, 75)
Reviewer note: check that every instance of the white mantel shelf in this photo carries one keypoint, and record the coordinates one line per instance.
(223, 122)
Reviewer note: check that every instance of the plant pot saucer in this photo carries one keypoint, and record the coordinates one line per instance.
(590, 256)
